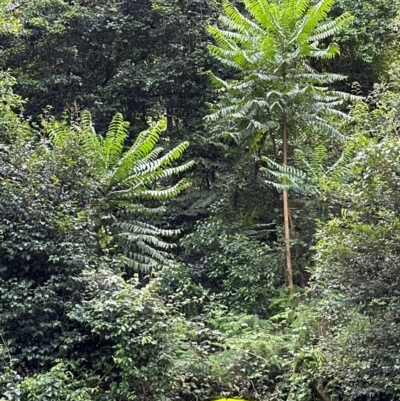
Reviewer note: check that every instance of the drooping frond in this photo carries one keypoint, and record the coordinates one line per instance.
(284, 177)
(331, 28)
(143, 248)
(165, 193)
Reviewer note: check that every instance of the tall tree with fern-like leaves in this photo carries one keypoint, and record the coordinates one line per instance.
(278, 100)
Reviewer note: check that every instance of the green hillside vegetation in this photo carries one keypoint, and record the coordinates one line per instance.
(199, 200)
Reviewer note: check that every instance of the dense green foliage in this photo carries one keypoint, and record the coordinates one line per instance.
(357, 260)
(134, 266)
(221, 261)
(367, 47)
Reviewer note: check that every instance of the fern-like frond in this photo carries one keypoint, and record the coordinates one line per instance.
(140, 227)
(114, 141)
(238, 21)
(286, 177)
(331, 28)
(138, 209)
(165, 193)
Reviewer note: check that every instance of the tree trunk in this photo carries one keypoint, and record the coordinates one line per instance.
(289, 271)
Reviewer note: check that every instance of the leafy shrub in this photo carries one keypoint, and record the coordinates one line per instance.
(242, 270)
(59, 384)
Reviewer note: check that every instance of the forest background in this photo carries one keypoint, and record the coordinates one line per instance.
(239, 237)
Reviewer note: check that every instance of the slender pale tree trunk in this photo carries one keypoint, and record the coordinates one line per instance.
(289, 271)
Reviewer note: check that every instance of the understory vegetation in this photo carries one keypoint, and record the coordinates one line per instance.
(199, 200)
